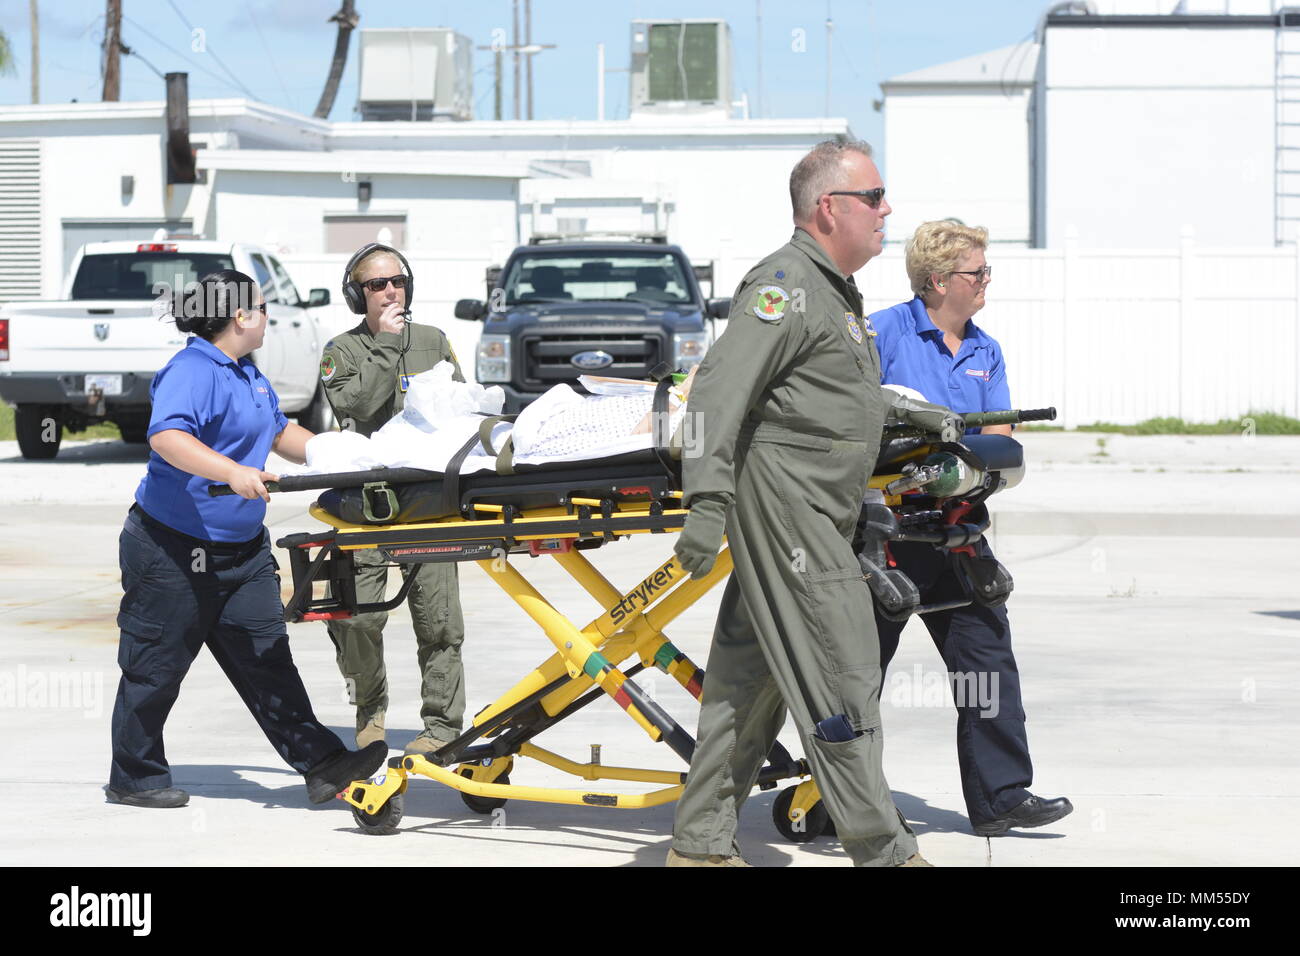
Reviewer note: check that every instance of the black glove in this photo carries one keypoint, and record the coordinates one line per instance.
(701, 538)
(935, 419)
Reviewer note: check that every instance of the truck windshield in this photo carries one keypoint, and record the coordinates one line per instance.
(652, 277)
(133, 275)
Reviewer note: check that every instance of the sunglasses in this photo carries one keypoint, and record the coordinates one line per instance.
(981, 274)
(872, 197)
(379, 285)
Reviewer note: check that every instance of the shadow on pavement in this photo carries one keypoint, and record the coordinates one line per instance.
(96, 452)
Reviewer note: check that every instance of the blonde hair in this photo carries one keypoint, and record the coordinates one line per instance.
(937, 247)
(370, 257)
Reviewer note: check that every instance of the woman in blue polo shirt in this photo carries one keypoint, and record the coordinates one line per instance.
(198, 570)
(931, 344)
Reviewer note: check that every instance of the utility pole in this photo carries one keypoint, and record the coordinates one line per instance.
(112, 49)
(528, 41)
(830, 28)
(347, 18)
(514, 45)
(36, 52)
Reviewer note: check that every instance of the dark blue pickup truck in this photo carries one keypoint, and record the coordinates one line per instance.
(558, 309)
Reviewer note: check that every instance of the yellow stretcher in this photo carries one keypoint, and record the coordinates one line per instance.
(564, 514)
(586, 664)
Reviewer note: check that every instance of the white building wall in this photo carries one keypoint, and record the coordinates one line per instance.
(959, 153)
(1149, 130)
(1121, 335)
(76, 186)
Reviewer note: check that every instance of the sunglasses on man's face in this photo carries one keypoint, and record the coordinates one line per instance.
(872, 197)
(379, 285)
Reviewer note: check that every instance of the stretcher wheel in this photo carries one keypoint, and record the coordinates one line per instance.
(484, 805)
(385, 821)
(810, 827)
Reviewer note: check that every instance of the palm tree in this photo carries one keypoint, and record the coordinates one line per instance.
(6, 54)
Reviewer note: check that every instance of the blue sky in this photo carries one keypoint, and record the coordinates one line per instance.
(279, 52)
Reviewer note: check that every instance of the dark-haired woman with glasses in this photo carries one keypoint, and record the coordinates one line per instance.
(932, 345)
(198, 570)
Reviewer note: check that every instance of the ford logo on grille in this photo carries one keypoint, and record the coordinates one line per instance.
(591, 361)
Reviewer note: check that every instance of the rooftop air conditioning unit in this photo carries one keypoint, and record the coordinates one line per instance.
(415, 74)
(681, 66)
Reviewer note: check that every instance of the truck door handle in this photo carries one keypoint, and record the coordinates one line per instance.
(271, 321)
(297, 324)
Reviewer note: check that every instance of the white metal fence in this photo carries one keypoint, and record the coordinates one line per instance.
(1104, 335)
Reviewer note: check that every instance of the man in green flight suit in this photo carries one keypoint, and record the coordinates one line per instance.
(789, 416)
(366, 372)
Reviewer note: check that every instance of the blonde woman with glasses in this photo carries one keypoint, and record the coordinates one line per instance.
(932, 344)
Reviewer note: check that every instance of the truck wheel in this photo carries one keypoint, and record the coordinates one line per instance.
(318, 416)
(135, 433)
(40, 430)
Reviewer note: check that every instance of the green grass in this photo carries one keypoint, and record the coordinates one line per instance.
(106, 430)
(1265, 423)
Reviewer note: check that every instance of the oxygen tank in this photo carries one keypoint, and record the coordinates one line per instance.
(952, 476)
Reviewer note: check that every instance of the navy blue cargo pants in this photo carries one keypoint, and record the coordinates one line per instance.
(179, 594)
(975, 644)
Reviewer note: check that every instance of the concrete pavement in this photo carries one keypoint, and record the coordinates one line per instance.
(1156, 619)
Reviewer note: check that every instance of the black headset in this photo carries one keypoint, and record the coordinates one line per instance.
(354, 295)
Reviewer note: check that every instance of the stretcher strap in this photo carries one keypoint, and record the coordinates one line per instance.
(505, 460)
(661, 423)
(505, 457)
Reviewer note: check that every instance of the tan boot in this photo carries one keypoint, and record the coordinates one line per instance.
(426, 743)
(916, 860)
(681, 859)
(370, 727)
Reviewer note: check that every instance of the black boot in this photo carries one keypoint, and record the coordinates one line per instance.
(1034, 812)
(331, 776)
(160, 797)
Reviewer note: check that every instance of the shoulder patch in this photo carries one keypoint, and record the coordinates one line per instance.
(329, 344)
(327, 368)
(780, 273)
(770, 303)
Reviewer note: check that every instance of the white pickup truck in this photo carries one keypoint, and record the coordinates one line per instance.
(92, 357)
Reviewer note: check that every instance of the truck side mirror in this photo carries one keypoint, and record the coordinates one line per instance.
(470, 309)
(318, 298)
(718, 308)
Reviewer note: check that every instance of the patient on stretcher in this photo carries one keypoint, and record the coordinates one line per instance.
(441, 416)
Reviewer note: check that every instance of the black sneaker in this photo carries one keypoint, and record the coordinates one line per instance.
(331, 776)
(158, 798)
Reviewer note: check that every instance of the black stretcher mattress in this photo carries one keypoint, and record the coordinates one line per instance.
(428, 496)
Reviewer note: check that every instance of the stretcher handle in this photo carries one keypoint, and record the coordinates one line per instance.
(341, 479)
(1012, 417)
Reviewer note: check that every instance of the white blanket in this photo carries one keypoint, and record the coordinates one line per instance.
(441, 415)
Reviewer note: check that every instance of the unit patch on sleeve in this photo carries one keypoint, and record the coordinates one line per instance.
(327, 368)
(770, 303)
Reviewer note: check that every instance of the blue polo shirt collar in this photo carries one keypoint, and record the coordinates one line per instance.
(971, 334)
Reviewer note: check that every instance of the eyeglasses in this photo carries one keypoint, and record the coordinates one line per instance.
(982, 274)
(872, 197)
(259, 308)
(379, 285)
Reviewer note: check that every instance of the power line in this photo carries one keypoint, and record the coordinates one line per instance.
(249, 93)
(171, 49)
(130, 52)
(252, 15)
